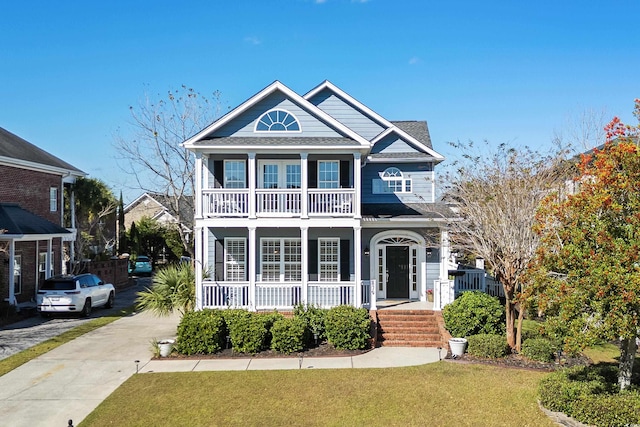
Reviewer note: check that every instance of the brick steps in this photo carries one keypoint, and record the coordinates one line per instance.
(408, 328)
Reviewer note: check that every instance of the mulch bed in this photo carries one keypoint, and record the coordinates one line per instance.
(321, 350)
(519, 362)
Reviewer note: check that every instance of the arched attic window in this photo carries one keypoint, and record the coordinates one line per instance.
(277, 121)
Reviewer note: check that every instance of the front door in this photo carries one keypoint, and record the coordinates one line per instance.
(397, 272)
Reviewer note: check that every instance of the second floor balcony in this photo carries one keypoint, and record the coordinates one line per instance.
(219, 202)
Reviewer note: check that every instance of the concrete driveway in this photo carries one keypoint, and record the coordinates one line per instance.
(31, 331)
(70, 381)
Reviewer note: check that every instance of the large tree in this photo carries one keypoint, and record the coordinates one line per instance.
(496, 192)
(589, 260)
(95, 208)
(150, 149)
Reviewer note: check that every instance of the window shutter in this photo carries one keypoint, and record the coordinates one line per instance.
(218, 173)
(345, 257)
(344, 174)
(219, 261)
(313, 260)
(313, 174)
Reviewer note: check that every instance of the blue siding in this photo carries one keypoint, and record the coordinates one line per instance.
(421, 181)
(347, 114)
(393, 144)
(245, 123)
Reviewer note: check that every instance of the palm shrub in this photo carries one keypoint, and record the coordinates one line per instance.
(347, 327)
(474, 313)
(173, 289)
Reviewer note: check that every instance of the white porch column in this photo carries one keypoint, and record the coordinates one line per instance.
(198, 240)
(304, 237)
(445, 253)
(72, 243)
(12, 278)
(357, 184)
(47, 263)
(198, 190)
(357, 261)
(304, 184)
(253, 249)
(252, 185)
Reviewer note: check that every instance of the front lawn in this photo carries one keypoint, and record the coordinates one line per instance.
(437, 394)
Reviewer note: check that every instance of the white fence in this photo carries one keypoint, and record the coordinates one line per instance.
(477, 280)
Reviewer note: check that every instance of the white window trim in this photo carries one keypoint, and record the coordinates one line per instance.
(255, 127)
(228, 262)
(336, 263)
(282, 172)
(244, 178)
(391, 174)
(337, 162)
(53, 199)
(281, 260)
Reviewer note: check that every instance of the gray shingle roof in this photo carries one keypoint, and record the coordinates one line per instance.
(417, 129)
(392, 156)
(14, 147)
(282, 141)
(17, 221)
(410, 210)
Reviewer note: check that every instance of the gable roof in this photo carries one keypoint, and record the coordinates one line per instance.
(291, 95)
(165, 206)
(15, 151)
(408, 130)
(18, 223)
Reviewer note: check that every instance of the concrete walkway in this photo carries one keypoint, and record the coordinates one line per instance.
(69, 382)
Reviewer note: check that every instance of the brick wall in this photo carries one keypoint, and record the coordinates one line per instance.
(30, 189)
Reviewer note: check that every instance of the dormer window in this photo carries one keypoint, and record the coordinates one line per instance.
(277, 121)
(391, 181)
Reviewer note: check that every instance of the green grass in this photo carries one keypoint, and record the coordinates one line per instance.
(437, 394)
(18, 359)
(603, 353)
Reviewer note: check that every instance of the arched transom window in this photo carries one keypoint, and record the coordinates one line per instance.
(277, 121)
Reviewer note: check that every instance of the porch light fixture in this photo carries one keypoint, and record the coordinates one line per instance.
(366, 251)
(429, 251)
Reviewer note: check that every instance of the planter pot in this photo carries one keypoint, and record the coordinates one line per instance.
(457, 346)
(430, 297)
(165, 346)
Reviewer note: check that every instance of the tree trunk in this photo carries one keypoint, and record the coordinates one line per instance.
(510, 314)
(628, 349)
(519, 333)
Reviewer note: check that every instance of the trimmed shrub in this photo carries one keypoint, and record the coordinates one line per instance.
(314, 318)
(474, 313)
(531, 329)
(269, 320)
(487, 345)
(539, 349)
(201, 332)
(611, 410)
(288, 335)
(248, 331)
(348, 327)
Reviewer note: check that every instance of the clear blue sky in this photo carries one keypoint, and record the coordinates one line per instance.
(508, 71)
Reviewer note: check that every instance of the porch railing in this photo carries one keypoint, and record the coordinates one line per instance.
(331, 202)
(477, 280)
(284, 296)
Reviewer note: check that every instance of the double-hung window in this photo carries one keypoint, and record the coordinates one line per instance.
(53, 199)
(235, 174)
(329, 259)
(328, 174)
(281, 260)
(235, 250)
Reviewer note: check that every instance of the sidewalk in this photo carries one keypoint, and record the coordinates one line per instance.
(69, 382)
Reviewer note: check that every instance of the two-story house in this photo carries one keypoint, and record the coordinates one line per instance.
(33, 234)
(316, 199)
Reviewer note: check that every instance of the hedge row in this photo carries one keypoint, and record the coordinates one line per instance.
(590, 395)
(207, 331)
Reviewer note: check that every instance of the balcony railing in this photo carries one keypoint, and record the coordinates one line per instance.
(224, 202)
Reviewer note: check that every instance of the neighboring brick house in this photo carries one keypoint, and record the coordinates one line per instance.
(33, 234)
